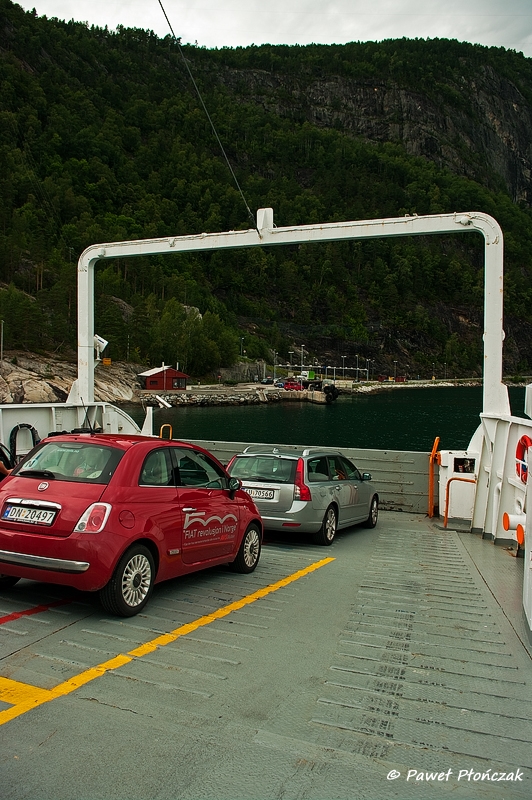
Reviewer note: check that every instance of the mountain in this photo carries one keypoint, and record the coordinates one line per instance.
(104, 138)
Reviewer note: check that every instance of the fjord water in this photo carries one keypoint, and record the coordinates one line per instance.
(395, 419)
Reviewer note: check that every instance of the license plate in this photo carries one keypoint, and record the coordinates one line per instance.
(260, 494)
(37, 516)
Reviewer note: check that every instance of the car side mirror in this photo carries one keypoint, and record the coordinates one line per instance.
(366, 476)
(234, 485)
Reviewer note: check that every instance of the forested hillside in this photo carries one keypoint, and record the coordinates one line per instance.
(102, 138)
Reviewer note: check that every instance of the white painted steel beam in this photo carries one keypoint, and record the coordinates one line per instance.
(495, 400)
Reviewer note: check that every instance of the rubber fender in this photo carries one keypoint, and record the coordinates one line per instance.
(13, 437)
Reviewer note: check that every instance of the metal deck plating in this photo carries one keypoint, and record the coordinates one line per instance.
(399, 669)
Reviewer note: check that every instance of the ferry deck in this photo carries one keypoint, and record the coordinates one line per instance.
(394, 664)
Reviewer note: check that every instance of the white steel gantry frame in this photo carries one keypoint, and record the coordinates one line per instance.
(495, 398)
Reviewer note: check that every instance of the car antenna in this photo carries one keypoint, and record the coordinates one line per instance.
(87, 418)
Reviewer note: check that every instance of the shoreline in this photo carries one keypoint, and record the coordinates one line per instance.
(33, 378)
(251, 394)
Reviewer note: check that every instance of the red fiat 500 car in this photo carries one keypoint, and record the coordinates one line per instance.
(116, 514)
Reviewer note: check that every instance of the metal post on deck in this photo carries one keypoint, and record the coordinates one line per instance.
(433, 459)
(448, 495)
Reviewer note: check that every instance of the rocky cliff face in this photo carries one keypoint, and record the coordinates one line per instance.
(29, 378)
(481, 127)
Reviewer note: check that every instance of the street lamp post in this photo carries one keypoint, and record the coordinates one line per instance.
(395, 370)
(290, 353)
(357, 369)
(433, 375)
(343, 367)
(274, 363)
(302, 361)
(367, 369)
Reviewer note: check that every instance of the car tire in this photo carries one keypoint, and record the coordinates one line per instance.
(7, 581)
(249, 551)
(130, 588)
(373, 513)
(327, 532)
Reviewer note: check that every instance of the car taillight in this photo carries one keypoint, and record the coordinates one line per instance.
(301, 490)
(93, 519)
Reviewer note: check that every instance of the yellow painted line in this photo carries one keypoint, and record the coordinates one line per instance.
(16, 693)
(168, 638)
(25, 697)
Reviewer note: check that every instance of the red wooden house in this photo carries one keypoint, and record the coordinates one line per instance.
(163, 379)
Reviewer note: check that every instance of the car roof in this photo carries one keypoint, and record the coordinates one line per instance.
(287, 451)
(122, 441)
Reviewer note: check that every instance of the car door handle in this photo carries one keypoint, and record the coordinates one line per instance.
(189, 509)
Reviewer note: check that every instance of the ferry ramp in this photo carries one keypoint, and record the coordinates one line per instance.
(391, 665)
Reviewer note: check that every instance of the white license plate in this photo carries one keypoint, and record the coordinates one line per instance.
(260, 494)
(38, 516)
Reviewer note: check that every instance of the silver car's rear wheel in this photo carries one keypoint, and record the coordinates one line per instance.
(373, 513)
(327, 532)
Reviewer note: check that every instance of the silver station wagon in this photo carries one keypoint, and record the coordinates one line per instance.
(308, 490)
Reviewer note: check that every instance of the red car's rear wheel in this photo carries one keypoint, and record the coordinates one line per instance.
(129, 589)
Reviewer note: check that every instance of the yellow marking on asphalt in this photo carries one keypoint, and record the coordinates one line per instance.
(23, 697)
(168, 638)
(17, 693)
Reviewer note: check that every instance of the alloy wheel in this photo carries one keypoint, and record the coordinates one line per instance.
(251, 547)
(136, 580)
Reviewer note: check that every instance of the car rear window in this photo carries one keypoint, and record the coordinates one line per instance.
(79, 462)
(270, 469)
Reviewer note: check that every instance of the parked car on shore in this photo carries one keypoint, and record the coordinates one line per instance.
(309, 490)
(293, 386)
(116, 514)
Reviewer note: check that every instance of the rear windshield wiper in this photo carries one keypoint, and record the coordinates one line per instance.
(36, 473)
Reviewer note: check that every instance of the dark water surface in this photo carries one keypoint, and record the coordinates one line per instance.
(398, 419)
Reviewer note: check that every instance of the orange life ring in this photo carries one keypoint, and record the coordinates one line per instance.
(521, 466)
